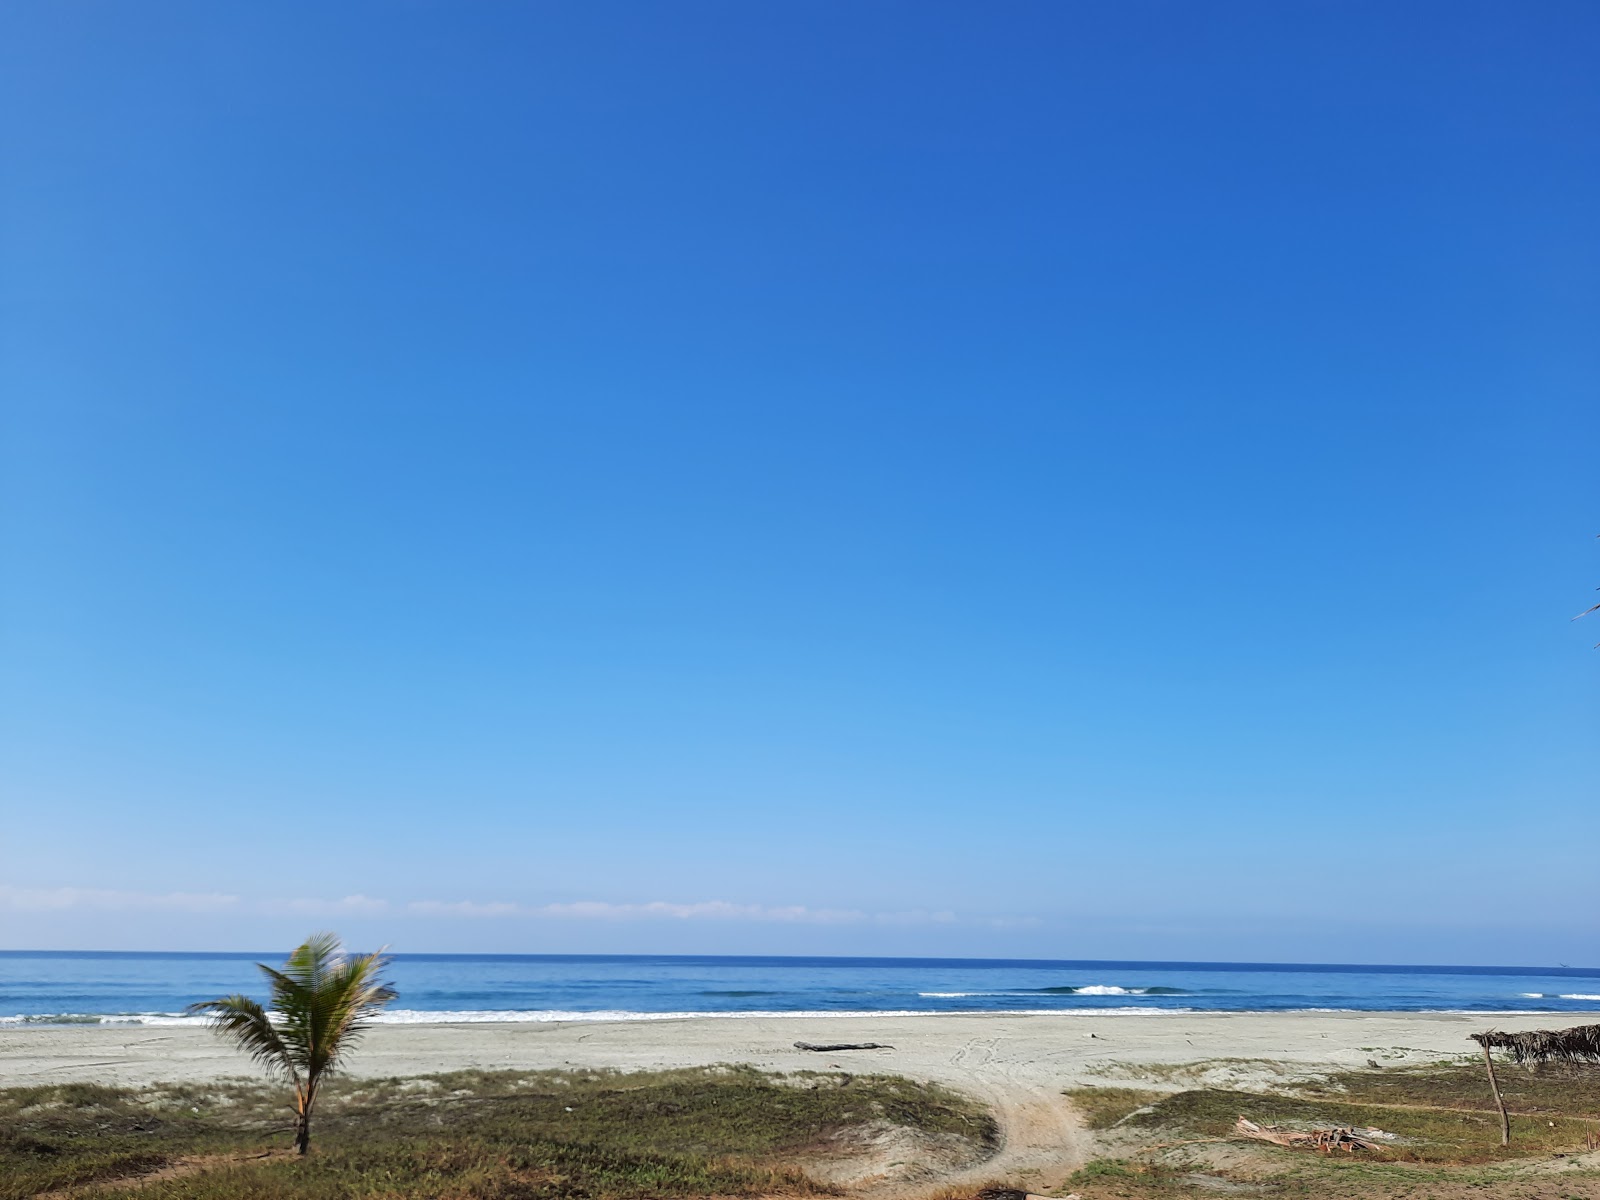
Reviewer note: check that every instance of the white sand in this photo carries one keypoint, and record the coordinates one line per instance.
(1016, 1064)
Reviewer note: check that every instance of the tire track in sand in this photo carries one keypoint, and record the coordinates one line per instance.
(1041, 1140)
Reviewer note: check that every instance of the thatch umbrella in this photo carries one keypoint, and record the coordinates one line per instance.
(1581, 1043)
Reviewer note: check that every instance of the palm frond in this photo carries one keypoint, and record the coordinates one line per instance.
(1590, 609)
(292, 1001)
(296, 986)
(1585, 613)
(245, 1023)
(322, 1001)
(355, 994)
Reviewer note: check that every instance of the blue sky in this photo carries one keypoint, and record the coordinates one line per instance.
(1076, 480)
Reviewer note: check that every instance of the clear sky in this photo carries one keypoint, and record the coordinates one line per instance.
(1080, 480)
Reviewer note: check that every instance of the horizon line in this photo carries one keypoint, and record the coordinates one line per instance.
(1172, 964)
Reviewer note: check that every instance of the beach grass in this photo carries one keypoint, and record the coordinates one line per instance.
(1440, 1113)
(1424, 1134)
(495, 1135)
(1447, 1135)
(1105, 1107)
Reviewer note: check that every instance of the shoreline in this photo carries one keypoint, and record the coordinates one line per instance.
(470, 1017)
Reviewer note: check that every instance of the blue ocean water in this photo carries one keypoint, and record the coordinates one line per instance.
(49, 987)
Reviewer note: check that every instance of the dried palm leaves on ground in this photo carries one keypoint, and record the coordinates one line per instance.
(1339, 1137)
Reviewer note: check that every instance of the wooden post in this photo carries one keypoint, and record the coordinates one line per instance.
(1494, 1086)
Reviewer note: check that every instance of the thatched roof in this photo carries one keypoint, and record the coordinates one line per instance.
(1578, 1044)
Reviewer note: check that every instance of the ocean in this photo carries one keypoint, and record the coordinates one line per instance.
(58, 988)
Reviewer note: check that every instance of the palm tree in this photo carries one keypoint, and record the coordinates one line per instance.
(322, 1000)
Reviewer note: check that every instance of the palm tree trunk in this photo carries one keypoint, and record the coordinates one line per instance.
(303, 1101)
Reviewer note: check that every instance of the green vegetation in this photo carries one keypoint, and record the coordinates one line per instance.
(1122, 1177)
(468, 1136)
(1103, 1107)
(1425, 1134)
(1447, 1145)
(1192, 1072)
(1551, 1090)
(321, 1002)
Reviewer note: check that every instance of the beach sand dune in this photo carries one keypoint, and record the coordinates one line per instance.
(1018, 1065)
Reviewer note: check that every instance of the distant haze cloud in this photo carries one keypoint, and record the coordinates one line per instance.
(703, 910)
(107, 900)
(463, 908)
(717, 910)
(64, 899)
(356, 905)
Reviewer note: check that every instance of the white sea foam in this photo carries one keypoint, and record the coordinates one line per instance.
(412, 1016)
(491, 1016)
(497, 1016)
(1399, 1012)
(150, 1018)
(1531, 995)
(1093, 989)
(415, 1016)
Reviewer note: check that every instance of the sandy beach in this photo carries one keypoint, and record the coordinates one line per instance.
(1018, 1065)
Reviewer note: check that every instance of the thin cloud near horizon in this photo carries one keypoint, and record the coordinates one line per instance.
(59, 899)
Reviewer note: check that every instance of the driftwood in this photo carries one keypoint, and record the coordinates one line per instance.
(1339, 1137)
(827, 1047)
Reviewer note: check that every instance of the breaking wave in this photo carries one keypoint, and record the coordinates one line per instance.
(414, 1016)
(1091, 989)
(144, 1018)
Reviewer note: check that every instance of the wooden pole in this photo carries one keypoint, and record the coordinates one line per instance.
(1494, 1086)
